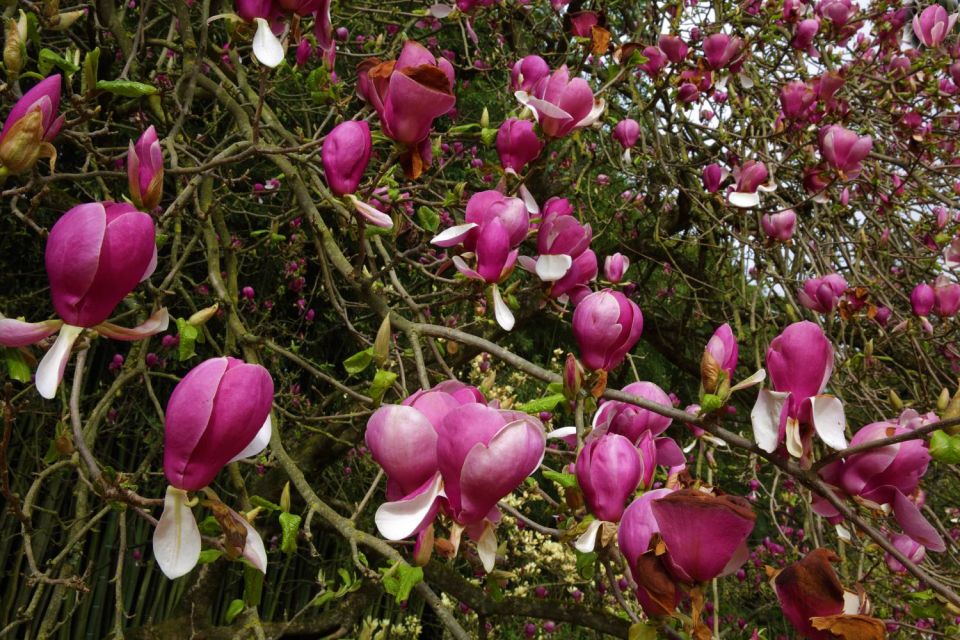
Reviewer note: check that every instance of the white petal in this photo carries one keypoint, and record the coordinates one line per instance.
(794, 443)
(828, 420)
(768, 187)
(843, 533)
(371, 214)
(487, 546)
(562, 432)
(753, 380)
(528, 200)
(746, 81)
(54, 363)
(627, 158)
(266, 46)
(551, 268)
(151, 267)
(153, 325)
(523, 98)
(176, 540)
(453, 235)
(766, 419)
(851, 603)
(400, 519)
(259, 442)
(502, 312)
(253, 550)
(594, 115)
(441, 11)
(588, 540)
(542, 107)
(743, 200)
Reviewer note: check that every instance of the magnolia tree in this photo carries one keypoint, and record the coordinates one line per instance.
(502, 318)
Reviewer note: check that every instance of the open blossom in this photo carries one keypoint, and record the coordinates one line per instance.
(267, 15)
(751, 177)
(30, 127)
(844, 150)
(796, 99)
(561, 239)
(218, 413)
(933, 24)
(838, 12)
(779, 226)
(814, 601)
(145, 170)
(408, 94)
(719, 358)
(703, 537)
(946, 297)
(673, 47)
(517, 144)
(527, 72)
(720, 50)
(823, 294)
(480, 455)
(656, 61)
(804, 34)
(799, 363)
(713, 177)
(345, 155)
(96, 254)
(562, 104)
(606, 326)
(888, 475)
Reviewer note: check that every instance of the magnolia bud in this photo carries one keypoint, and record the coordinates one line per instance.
(201, 317)
(285, 498)
(381, 345)
(894, 400)
(21, 148)
(13, 48)
(943, 400)
(485, 118)
(709, 372)
(65, 20)
(572, 377)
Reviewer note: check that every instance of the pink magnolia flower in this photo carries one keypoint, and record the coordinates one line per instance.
(218, 413)
(887, 475)
(345, 155)
(304, 51)
(96, 254)
(517, 144)
(560, 240)
(562, 104)
(703, 535)
(632, 421)
(804, 34)
(268, 16)
(838, 12)
(933, 25)
(713, 177)
(323, 32)
(656, 61)
(408, 93)
(674, 48)
(627, 132)
(30, 127)
(909, 547)
(615, 266)
(823, 294)
(582, 23)
(799, 363)
(687, 93)
(779, 226)
(720, 50)
(844, 150)
(606, 326)
(608, 470)
(527, 72)
(145, 170)
(946, 297)
(797, 98)
(482, 454)
(809, 592)
(751, 177)
(719, 358)
(922, 299)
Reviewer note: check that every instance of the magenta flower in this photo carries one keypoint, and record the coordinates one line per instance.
(268, 16)
(804, 34)
(751, 177)
(574, 285)
(838, 12)
(608, 472)
(96, 254)
(560, 240)
(606, 326)
(304, 51)
(482, 455)
(799, 363)
(656, 61)
(720, 50)
(687, 93)
(909, 547)
(615, 266)
(632, 421)
(145, 170)
(922, 299)
(713, 177)
(627, 132)
(933, 25)
(823, 294)
(218, 413)
(796, 99)
(887, 475)
(719, 358)
(583, 22)
(674, 48)
(562, 104)
(409, 94)
(323, 32)
(345, 154)
(517, 144)
(779, 226)
(946, 297)
(527, 72)
(844, 150)
(30, 127)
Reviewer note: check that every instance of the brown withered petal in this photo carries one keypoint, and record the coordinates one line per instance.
(234, 533)
(852, 627)
(709, 372)
(659, 594)
(599, 40)
(412, 163)
(810, 588)
(429, 76)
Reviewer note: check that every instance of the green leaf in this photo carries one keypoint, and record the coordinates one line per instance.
(188, 339)
(358, 361)
(565, 480)
(252, 585)
(17, 367)
(209, 526)
(209, 555)
(382, 381)
(642, 631)
(428, 219)
(488, 136)
(710, 403)
(461, 129)
(233, 610)
(324, 598)
(547, 403)
(88, 81)
(399, 579)
(586, 564)
(126, 88)
(263, 503)
(945, 448)
(290, 527)
(48, 59)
